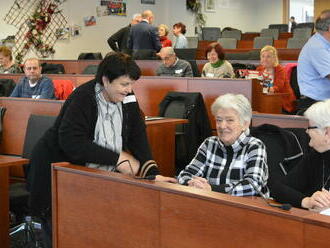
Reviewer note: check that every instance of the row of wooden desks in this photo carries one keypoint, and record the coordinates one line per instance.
(151, 214)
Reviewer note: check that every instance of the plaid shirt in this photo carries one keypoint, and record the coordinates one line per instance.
(230, 169)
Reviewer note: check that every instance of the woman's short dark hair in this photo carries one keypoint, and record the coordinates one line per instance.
(180, 25)
(115, 65)
(217, 48)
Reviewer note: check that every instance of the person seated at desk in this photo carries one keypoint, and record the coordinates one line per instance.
(308, 184)
(277, 75)
(99, 126)
(173, 66)
(233, 160)
(163, 31)
(217, 67)
(34, 84)
(7, 64)
(179, 29)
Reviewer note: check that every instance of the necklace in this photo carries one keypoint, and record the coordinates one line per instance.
(326, 181)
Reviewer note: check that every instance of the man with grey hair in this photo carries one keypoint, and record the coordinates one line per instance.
(118, 41)
(173, 66)
(314, 65)
(143, 38)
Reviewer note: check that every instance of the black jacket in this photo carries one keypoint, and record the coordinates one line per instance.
(198, 128)
(71, 139)
(118, 41)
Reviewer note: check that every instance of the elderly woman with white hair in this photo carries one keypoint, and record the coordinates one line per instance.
(308, 184)
(232, 162)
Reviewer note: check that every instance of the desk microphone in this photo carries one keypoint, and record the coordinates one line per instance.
(285, 206)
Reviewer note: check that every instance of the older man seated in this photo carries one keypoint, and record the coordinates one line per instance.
(232, 162)
(34, 85)
(172, 65)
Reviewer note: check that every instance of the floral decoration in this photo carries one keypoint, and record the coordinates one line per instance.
(37, 25)
(195, 6)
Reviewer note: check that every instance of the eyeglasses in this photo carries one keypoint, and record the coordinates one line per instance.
(312, 127)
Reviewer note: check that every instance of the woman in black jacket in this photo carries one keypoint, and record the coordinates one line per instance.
(99, 126)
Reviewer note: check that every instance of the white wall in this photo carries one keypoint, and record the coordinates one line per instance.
(247, 15)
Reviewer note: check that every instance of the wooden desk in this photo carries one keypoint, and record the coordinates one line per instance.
(113, 210)
(161, 137)
(266, 103)
(5, 163)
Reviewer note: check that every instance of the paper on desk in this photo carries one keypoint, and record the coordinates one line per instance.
(325, 212)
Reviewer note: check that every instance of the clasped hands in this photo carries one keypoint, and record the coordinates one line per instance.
(132, 167)
(318, 201)
(200, 183)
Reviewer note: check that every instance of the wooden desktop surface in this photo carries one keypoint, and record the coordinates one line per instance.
(166, 215)
(5, 163)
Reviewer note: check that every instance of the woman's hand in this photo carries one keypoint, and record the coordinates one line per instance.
(128, 167)
(160, 178)
(200, 183)
(319, 200)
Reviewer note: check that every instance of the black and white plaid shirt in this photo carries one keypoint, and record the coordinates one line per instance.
(230, 169)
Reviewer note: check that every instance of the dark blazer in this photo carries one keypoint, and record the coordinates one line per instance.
(71, 139)
(118, 41)
(144, 40)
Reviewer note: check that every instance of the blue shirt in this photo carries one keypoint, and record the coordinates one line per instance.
(314, 67)
(44, 89)
(181, 42)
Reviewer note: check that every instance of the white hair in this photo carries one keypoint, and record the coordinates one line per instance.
(136, 15)
(319, 113)
(238, 102)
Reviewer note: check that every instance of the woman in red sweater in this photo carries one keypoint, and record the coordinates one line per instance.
(270, 66)
(163, 32)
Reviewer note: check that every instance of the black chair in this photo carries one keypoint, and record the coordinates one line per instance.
(186, 53)
(47, 68)
(306, 25)
(19, 195)
(186, 105)
(90, 69)
(282, 28)
(6, 86)
(194, 68)
(285, 148)
(211, 33)
(91, 56)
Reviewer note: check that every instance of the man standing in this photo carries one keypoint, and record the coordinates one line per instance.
(172, 66)
(118, 41)
(34, 85)
(314, 65)
(143, 38)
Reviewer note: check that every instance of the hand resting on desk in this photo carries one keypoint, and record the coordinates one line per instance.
(319, 200)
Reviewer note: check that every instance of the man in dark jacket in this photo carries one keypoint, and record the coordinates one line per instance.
(118, 41)
(143, 38)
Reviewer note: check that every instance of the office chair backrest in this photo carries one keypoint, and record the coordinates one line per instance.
(302, 33)
(6, 86)
(260, 42)
(228, 43)
(306, 25)
(211, 33)
(266, 32)
(192, 42)
(36, 127)
(282, 28)
(296, 43)
(90, 69)
(236, 34)
(194, 68)
(91, 56)
(186, 53)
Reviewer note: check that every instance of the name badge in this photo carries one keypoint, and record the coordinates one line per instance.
(35, 96)
(210, 75)
(178, 71)
(130, 98)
